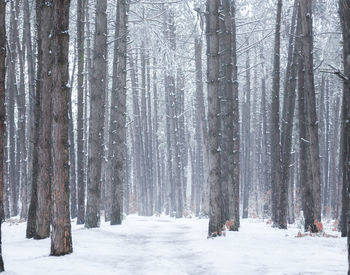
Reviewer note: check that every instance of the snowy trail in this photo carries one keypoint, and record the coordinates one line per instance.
(169, 246)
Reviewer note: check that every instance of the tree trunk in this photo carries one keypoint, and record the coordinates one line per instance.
(118, 115)
(215, 224)
(80, 115)
(344, 12)
(287, 121)
(312, 126)
(42, 175)
(61, 238)
(275, 119)
(97, 85)
(2, 113)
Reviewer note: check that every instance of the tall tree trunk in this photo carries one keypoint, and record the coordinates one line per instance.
(236, 137)
(287, 121)
(80, 115)
(61, 237)
(312, 126)
(42, 175)
(118, 115)
(215, 224)
(275, 119)
(344, 12)
(97, 85)
(2, 113)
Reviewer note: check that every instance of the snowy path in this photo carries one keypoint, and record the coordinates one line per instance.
(168, 246)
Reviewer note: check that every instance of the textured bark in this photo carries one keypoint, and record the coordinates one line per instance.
(235, 214)
(61, 237)
(227, 154)
(97, 85)
(275, 119)
(287, 121)
(80, 115)
(2, 113)
(31, 222)
(312, 126)
(42, 175)
(215, 224)
(304, 156)
(344, 12)
(118, 115)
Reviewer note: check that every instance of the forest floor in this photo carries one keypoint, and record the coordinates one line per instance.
(167, 246)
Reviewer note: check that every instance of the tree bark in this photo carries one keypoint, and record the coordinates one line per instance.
(80, 115)
(42, 175)
(2, 113)
(275, 125)
(215, 224)
(118, 115)
(61, 237)
(97, 85)
(287, 121)
(312, 126)
(344, 12)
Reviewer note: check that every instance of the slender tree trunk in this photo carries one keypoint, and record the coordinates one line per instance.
(97, 85)
(215, 224)
(236, 137)
(2, 113)
(287, 121)
(118, 115)
(80, 115)
(344, 12)
(275, 118)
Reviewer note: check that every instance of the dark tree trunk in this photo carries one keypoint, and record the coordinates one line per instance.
(236, 137)
(61, 238)
(42, 175)
(309, 88)
(344, 12)
(287, 121)
(2, 113)
(97, 87)
(275, 119)
(215, 221)
(118, 115)
(80, 115)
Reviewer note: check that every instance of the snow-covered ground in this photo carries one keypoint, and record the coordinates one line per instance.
(166, 246)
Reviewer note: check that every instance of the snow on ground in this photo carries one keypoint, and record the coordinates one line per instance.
(163, 245)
